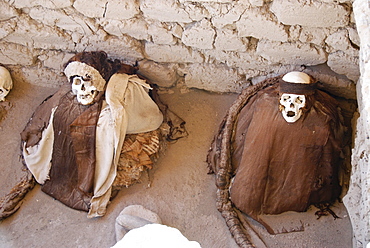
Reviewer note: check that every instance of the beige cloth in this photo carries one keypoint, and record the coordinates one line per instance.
(38, 157)
(127, 109)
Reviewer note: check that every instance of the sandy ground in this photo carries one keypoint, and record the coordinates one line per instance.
(178, 189)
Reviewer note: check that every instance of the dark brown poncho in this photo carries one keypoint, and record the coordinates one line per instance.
(72, 173)
(281, 166)
(277, 166)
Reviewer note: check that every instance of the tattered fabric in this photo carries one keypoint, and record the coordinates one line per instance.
(279, 166)
(284, 166)
(87, 141)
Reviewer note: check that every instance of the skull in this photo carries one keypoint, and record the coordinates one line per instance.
(291, 106)
(6, 83)
(86, 81)
(84, 89)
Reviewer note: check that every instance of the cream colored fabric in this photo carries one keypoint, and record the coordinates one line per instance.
(38, 157)
(143, 114)
(105, 169)
(128, 109)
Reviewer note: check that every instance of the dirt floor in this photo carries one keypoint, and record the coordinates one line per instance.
(178, 189)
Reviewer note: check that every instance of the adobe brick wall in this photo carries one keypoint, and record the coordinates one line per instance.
(241, 41)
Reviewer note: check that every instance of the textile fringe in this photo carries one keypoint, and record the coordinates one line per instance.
(223, 165)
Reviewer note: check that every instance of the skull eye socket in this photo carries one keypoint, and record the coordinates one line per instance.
(86, 78)
(77, 81)
(1, 91)
(285, 98)
(299, 100)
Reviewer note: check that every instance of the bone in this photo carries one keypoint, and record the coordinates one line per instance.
(6, 83)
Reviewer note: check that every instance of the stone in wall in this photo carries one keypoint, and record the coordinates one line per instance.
(228, 40)
(172, 54)
(257, 3)
(241, 60)
(294, 32)
(14, 54)
(273, 71)
(55, 60)
(124, 47)
(227, 14)
(339, 41)
(260, 25)
(95, 8)
(176, 30)
(7, 27)
(196, 11)
(40, 76)
(51, 4)
(353, 36)
(64, 20)
(34, 35)
(162, 75)
(343, 57)
(310, 13)
(161, 34)
(121, 10)
(136, 28)
(164, 11)
(344, 64)
(199, 35)
(291, 53)
(213, 77)
(314, 35)
(7, 12)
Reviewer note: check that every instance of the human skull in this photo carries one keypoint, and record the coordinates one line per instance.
(291, 106)
(86, 81)
(6, 83)
(84, 89)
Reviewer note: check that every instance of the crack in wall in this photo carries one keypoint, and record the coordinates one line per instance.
(105, 9)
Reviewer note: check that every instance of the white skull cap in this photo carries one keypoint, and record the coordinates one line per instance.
(81, 69)
(297, 77)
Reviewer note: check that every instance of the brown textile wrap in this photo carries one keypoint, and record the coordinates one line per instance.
(73, 158)
(297, 88)
(72, 180)
(278, 166)
(31, 134)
